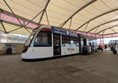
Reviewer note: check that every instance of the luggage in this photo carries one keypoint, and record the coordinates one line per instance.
(115, 52)
(84, 50)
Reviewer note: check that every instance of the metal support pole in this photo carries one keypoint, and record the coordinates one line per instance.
(33, 18)
(62, 24)
(113, 30)
(96, 29)
(107, 28)
(12, 12)
(86, 26)
(47, 17)
(15, 15)
(0, 13)
(44, 11)
(103, 32)
(69, 30)
(103, 24)
(70, 23)
(100, 40)
(15, 29)
(97, 17)
(103, 37)
(1, 31)
(3, 26)
(111, 35)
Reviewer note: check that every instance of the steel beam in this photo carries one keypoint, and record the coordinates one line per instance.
(22, 18)
(33, 18)
(47, 17)
(0, 14)
(12, 12)
(15, 29)
(96, 29)
(70, 23)
(103, 33)
(44, 10)
(98, 17)
(107, 28)
(1, 11)
(1, 31)
(103, 24)
(112, 30)
(3, 26)
(62, 24)
(86, 26)
(15, 15)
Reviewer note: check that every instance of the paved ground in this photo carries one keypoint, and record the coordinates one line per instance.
(97, 68)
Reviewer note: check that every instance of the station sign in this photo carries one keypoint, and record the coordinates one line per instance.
(63, 32)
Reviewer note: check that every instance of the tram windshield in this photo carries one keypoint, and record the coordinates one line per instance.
(43, 39)
(29, 39)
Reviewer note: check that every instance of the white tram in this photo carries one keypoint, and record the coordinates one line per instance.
(49, 41)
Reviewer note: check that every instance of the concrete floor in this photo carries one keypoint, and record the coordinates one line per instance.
(96, 68)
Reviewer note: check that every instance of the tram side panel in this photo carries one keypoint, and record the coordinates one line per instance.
(68, 40)
(70, 45)
(42, 45)
(65, 45)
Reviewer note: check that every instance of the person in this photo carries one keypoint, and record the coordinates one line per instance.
(100, 48)
(105, 46)
(114, 49)
(111, 47)
(84, 50)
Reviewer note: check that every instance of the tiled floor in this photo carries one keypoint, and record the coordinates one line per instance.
(96, 68)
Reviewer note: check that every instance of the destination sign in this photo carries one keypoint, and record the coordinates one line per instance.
(63, 32)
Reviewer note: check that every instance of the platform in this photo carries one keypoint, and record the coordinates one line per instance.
(100, 67)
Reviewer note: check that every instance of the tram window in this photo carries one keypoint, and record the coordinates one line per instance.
(70, 41)
(77, 42)
(43, 39)
(65, 41)
(74, 41)
(28, 41)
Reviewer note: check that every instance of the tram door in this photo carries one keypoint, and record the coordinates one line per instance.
(56, 44)
(85, 42)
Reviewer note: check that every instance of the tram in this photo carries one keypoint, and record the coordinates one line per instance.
(50, 41)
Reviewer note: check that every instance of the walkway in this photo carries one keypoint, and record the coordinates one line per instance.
(97, 68)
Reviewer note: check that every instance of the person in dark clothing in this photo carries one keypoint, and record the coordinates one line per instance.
(105, 46)
(100, 48)
(113, 48)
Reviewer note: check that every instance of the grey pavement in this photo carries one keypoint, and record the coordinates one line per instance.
(99, 67)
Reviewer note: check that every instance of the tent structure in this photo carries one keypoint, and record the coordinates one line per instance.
(90, 16)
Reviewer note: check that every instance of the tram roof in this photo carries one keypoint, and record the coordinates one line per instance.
(93, 16)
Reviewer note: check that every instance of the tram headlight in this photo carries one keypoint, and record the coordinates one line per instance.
(25, 48)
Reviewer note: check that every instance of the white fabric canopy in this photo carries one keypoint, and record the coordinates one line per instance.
(58, 11)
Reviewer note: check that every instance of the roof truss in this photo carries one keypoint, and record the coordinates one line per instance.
(98, 17)
(107, 28)
(103, 24)
(62, 24)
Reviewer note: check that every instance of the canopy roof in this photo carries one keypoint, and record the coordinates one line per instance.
(94, 16)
